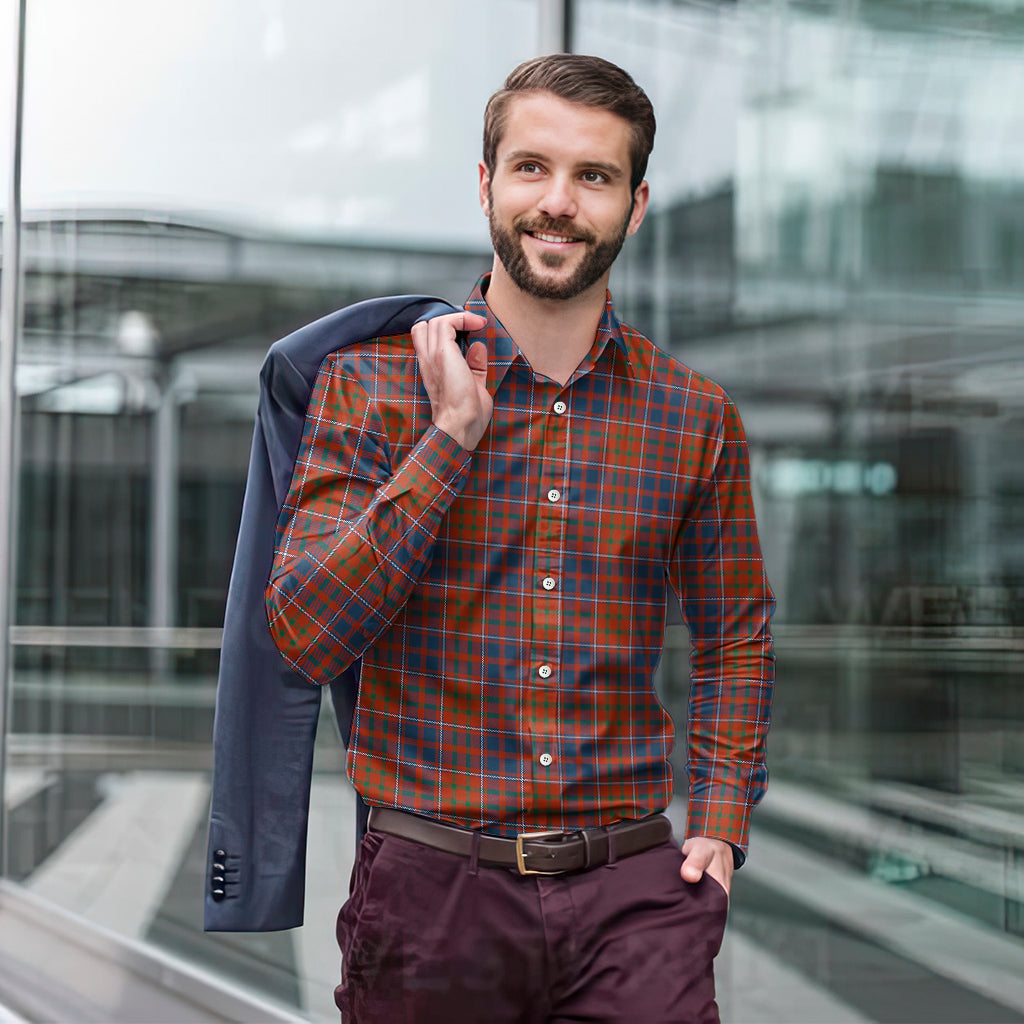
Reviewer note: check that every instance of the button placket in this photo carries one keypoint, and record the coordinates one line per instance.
(547, 563)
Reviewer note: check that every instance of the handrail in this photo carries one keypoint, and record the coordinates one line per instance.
(166, 637)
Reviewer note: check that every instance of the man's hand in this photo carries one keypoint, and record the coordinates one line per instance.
(457, 387)
(711, 855)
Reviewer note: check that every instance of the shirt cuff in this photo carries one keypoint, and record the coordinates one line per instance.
(723, 814)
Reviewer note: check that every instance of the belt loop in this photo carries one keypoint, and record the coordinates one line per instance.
(474, 853)
(586, 848)
(611, 847)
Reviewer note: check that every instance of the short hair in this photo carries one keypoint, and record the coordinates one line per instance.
(577, 78)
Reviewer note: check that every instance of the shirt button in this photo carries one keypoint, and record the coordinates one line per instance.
(544, 671)
(548, 583)
(560, 407)
(554, 494)
(545, 759)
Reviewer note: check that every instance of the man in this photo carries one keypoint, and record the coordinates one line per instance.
(491, 526)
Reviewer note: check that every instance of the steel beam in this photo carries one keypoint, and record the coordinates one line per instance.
(10, 323)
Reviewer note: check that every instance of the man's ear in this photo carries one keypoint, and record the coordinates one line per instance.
(641, 197)
(485, 185)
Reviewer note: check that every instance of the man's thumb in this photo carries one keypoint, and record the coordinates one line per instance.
(477, 357)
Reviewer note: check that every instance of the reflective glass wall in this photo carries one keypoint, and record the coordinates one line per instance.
(8, 25)
(199, 180)
(836, 236)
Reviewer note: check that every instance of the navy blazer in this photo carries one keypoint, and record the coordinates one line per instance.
(266, 713)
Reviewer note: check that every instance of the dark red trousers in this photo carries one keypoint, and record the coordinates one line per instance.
(430, 938)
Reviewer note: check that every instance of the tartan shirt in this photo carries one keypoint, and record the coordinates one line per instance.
(509, 603)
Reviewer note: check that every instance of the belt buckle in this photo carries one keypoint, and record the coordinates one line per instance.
(521, 855)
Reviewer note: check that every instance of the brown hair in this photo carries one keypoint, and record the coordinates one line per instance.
(577, 78)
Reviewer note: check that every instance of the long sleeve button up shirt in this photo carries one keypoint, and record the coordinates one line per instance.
(509, 604)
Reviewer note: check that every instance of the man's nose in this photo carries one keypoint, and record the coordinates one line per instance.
(559, 198)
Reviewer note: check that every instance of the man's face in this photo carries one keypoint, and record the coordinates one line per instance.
(559, 203)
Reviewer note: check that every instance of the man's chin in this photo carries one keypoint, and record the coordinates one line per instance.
(554, 262)
(554, 273)
(546, 285)
(545, 275)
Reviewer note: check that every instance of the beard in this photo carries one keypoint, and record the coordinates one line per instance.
(598, 257)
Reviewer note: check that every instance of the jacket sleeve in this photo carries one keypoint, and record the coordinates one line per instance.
(355, 533)
(727, 604)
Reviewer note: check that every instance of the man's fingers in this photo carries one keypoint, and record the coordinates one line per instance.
(449, 324)
(455, 384)
(472, 321)
(705, 855)
(695, 865)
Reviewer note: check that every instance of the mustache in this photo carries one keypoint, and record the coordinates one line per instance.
(552, 226)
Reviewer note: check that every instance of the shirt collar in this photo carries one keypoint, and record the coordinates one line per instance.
(502, 351)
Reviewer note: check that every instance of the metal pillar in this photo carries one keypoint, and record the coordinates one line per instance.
(10, 318)
(163, 549)
(554, 25)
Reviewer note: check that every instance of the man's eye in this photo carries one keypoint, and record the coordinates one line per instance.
(529, 168)
(593, 177)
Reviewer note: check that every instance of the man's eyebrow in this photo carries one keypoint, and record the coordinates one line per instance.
(522, 154)
(613, 171)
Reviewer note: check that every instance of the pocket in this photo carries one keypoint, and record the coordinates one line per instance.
(358, 887)
(717, 888)
(371, 949)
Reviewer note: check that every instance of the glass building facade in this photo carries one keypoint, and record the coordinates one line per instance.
(836, 235)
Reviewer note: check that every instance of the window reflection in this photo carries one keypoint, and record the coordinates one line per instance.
(835, 236)
(199, 180)
(854, 283)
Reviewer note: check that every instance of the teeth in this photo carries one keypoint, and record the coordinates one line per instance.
(551, 238)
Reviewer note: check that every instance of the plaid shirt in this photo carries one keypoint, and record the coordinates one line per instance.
(509, 604)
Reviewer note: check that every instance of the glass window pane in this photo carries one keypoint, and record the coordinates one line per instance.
(200, 179)
(358, 121)
(8, 23)
(836, 237)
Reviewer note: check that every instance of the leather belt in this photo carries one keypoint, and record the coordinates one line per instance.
(530, 853)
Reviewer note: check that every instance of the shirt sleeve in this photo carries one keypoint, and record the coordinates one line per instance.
(354, 535)
(726, 601)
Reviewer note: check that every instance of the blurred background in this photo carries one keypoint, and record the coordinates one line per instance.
(836, 235)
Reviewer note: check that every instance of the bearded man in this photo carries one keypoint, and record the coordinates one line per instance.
(489, 513)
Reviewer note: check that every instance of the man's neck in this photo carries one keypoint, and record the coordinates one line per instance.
(554, 335)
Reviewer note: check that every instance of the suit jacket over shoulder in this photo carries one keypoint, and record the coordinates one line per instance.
(266, 714)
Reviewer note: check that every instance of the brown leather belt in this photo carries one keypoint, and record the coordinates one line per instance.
(530, 853)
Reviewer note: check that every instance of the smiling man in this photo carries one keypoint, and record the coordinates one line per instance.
(490, 514)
